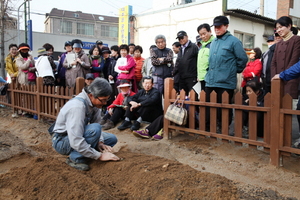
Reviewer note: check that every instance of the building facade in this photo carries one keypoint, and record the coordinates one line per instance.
(289, 8)
(77, 23)
(252, 29)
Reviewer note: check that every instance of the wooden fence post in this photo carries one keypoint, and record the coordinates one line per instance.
(39, 85)
(277, 93)
(12, 95)
(79, 84)
(168, 87)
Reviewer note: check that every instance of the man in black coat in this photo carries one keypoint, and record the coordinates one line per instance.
(187, 62)
(146, 105)
(266, 60)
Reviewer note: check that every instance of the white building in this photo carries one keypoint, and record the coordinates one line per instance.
(170, 16)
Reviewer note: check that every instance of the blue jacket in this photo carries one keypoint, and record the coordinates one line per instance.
(291, 73)
(227, 57)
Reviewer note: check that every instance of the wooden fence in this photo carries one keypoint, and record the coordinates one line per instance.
(46, 102)
(277, 113)
(40, 100)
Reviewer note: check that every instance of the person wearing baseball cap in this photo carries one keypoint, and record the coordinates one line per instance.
(99, 43)
(89, 78)
(78, 67)
(266, 60)
(227, 57)
(61, 71)
(220, 20)
(117, 109)
(187, 62)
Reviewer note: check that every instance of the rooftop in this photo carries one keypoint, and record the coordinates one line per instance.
(80, 15)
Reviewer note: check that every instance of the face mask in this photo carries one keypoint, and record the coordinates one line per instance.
(24, 55)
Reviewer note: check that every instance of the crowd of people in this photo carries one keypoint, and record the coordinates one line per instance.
(130, 88)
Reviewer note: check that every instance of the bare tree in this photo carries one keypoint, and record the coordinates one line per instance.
(5, 21)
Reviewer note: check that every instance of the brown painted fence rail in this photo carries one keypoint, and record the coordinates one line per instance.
(277, 113)
(46, 101)
(40, 100)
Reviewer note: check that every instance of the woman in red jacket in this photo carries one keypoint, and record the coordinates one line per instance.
(253, 68)
(139, 60)
(117, 109)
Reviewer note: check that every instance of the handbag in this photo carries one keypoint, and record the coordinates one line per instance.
(176, 113)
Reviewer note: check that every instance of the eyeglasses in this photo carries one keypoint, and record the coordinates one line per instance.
(103, 101)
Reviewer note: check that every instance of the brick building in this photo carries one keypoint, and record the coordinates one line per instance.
(289, 8)
(77, 23)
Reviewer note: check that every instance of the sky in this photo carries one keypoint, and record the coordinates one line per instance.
(39, 8)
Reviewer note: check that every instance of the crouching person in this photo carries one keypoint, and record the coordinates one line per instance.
(146, 105)
(117, 109)
(77, 131)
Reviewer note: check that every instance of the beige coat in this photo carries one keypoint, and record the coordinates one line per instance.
(24, 65)
(78, 71)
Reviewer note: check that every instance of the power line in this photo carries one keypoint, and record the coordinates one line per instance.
(114, 6)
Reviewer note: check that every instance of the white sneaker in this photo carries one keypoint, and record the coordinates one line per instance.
(297, 143)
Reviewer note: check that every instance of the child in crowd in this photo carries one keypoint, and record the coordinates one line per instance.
(89, 78)
(254, 86)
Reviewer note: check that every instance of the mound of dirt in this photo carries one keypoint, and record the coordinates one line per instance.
(186, 167)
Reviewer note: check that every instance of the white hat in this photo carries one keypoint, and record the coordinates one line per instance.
(124, 85)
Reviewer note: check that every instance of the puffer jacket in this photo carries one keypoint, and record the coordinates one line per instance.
(252, 70)
(227, 58)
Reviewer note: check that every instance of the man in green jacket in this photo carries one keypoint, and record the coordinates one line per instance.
(227, 57)
(203, 54)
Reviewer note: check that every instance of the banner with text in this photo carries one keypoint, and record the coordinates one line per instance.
(124, 14)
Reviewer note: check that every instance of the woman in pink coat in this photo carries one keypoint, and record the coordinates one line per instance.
(125, 67)
(253, 68)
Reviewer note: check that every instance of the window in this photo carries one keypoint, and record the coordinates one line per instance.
(85, 29)
(66, 27)
(246, 39)
(76, 15)
(109, 31)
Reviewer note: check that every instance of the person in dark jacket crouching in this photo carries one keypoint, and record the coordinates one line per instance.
(146, 105)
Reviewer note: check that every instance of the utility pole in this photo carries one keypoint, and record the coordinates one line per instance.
(262, 7)
(2, 26)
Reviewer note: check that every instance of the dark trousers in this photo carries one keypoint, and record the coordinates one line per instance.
(187, 84)
(116, 116)
(147, 113)
(260, 122)
(156, 125)
(202, 85)
(219, 92)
